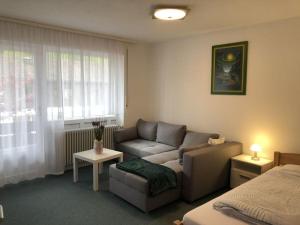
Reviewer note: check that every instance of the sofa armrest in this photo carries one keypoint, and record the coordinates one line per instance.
(125, 134)
(207, 169)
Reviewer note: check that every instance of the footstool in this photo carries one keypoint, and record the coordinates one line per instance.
(135, 189)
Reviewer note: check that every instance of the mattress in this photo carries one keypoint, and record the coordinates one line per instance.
(206, 215)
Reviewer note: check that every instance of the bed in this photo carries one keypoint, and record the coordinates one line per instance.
(207, 215)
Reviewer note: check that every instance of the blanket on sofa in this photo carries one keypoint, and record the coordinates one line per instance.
(159, 177)
(272, 198)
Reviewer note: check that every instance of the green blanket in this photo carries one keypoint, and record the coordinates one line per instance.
(160, 178)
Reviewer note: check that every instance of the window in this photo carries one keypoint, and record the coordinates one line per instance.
(17, 73)
(48, 78)
(89, 88)
(17, 82)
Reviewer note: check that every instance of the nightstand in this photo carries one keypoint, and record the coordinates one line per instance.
(243, 169)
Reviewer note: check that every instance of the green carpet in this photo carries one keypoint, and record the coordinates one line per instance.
(56, 200)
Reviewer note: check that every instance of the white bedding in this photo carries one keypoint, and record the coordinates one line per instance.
(273, 197)
(206, 215)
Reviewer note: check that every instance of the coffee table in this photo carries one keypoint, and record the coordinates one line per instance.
(97, 161)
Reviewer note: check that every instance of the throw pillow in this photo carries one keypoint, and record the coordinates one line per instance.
(170, 134)
(146, 130)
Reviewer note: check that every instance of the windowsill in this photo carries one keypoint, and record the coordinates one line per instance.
(73, 124)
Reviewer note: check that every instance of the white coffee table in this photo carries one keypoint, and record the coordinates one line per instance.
(97, 161)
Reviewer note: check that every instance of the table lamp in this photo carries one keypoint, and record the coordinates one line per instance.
(255, 148)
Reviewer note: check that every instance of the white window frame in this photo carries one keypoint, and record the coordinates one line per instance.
(87, 123)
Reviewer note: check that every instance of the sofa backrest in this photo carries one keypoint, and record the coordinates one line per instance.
(193, 138)
(146, 130)
(170, 134)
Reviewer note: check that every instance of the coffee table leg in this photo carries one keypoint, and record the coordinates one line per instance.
(1, 213)
(121, 158)
(100, 168)
(95, 177)
(75, 169)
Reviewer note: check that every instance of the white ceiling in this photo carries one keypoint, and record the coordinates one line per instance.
(132, 18)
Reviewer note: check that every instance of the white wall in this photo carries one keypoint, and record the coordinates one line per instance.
(139, 99)
(270, 112)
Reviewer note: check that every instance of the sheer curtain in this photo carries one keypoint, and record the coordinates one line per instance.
(47, 77)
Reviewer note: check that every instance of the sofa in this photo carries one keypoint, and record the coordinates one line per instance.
(200, 168)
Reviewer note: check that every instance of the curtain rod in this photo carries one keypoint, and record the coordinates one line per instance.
(65, 29)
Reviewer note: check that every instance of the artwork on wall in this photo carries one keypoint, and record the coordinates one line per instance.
(229, 69)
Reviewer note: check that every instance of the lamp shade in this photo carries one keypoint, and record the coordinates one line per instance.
(255, 148)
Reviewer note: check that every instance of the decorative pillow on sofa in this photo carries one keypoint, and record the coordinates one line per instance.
(183, 150)
(125, 134)
(146, 130)
(170, 134)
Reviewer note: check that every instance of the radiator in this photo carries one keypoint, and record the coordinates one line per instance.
(83, 139)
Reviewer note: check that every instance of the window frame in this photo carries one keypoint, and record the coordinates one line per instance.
(75, 124)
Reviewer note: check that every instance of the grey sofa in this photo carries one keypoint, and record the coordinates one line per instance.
(201, 168)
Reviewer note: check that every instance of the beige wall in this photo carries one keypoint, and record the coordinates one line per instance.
(139, 101)
(270, 112)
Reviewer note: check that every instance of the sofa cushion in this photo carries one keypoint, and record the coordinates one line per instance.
(141, 147)
(170, 134)
(174, 165)
(163, 157)
(196, 138)
(125, 134)
(146, 130)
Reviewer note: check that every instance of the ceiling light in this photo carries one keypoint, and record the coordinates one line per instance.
(169, 13)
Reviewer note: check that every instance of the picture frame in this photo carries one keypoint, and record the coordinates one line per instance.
(229, 69)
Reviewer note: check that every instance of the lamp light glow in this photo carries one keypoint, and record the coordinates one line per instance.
(255, 148)
(169, 13)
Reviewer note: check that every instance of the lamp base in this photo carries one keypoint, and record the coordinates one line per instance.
(255, 157)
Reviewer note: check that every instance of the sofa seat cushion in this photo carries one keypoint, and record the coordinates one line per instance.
(139, 183)
(142, 148)
(163, 157)
(170, 134)
(175, 166)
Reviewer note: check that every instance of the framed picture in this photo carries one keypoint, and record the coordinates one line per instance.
(229, 69)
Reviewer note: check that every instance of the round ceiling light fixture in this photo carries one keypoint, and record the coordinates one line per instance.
(170, 13)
